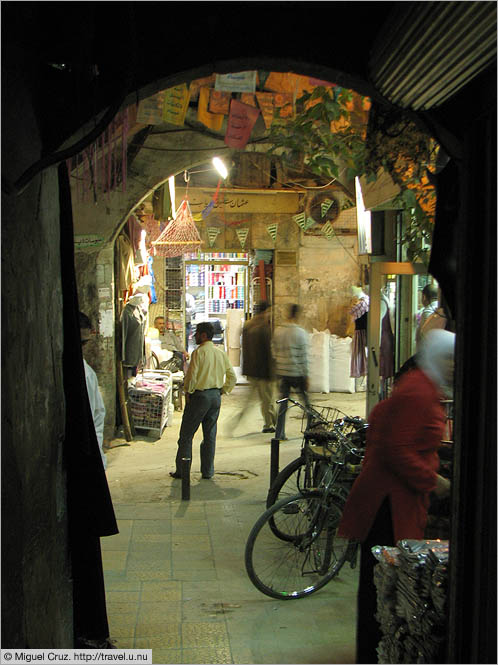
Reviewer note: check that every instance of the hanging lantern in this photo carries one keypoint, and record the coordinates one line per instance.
(180, 236)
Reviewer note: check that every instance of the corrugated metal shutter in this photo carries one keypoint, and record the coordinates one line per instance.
(430, 50)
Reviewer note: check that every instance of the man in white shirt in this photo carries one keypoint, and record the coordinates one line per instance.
(169, 340)
(290, 349)
(210, 375)
(92, 385)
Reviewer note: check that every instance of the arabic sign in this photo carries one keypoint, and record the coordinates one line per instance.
(237, 82)
(176, 101)
(150, 110)
(241, 120)
(240, 201)
(88, 240)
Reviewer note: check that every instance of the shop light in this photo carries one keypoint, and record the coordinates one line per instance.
(171, 185)
(220, 167)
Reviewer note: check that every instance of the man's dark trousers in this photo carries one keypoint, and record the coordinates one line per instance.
(202, 407)
(286, 383)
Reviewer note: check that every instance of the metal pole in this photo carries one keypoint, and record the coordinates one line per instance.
(274, 459)
(185, 478)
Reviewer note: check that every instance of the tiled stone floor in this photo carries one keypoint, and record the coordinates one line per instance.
(175, 576)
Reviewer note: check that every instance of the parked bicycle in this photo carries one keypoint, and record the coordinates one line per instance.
(305, 471)
(293, 549)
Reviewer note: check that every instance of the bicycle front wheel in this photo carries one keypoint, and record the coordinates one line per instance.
(311, 554)
(298, 476)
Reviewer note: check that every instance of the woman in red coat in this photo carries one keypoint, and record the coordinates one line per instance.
(390, 498)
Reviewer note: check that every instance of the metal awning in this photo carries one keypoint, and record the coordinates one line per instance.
(428, 51)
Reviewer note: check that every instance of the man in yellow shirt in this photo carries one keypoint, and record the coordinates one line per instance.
(210, 375)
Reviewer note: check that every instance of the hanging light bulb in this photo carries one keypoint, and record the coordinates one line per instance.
(220, 167)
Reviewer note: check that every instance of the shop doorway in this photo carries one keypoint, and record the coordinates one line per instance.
(216, 290)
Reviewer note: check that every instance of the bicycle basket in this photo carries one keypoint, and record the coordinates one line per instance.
(321, 418)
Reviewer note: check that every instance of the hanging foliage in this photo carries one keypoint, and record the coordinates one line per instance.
(337, 134)
(327, 133)
(397, 145)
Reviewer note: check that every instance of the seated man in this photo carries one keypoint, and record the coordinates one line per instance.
(168, 339)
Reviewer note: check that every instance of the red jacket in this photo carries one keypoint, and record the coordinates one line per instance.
(401, 460)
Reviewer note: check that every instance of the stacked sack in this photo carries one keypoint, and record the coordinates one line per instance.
(340, 380)
(411, 601)
(319, 362)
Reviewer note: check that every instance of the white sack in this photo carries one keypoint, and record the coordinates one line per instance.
(319, 362)
(340, 365)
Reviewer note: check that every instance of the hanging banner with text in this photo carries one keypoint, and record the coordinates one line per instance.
(213, 121)
(241, 120)
(176, 101)
(150, 110)
(237, 82)
(248, 98)
(284, 103)
(219, 102)
(242, 236)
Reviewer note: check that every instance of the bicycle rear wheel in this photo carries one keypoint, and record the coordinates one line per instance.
(310, 555)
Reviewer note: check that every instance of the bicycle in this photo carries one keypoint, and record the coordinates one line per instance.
(305, 471)
(293, 549)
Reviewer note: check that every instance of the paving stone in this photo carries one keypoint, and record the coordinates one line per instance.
(204, 634)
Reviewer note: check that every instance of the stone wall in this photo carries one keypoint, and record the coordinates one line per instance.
(96, 295)
(36, 584)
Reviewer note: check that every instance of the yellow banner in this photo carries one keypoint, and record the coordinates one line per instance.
(175, 107)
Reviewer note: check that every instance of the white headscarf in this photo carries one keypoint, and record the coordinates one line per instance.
(436, 358)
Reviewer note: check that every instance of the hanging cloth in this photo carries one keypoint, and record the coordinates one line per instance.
(386, 363)
(358, 355)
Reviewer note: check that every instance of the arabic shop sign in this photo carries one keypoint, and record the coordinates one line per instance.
(239, 201)
(88, 240)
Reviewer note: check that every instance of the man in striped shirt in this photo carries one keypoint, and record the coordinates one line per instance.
(290, 348)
